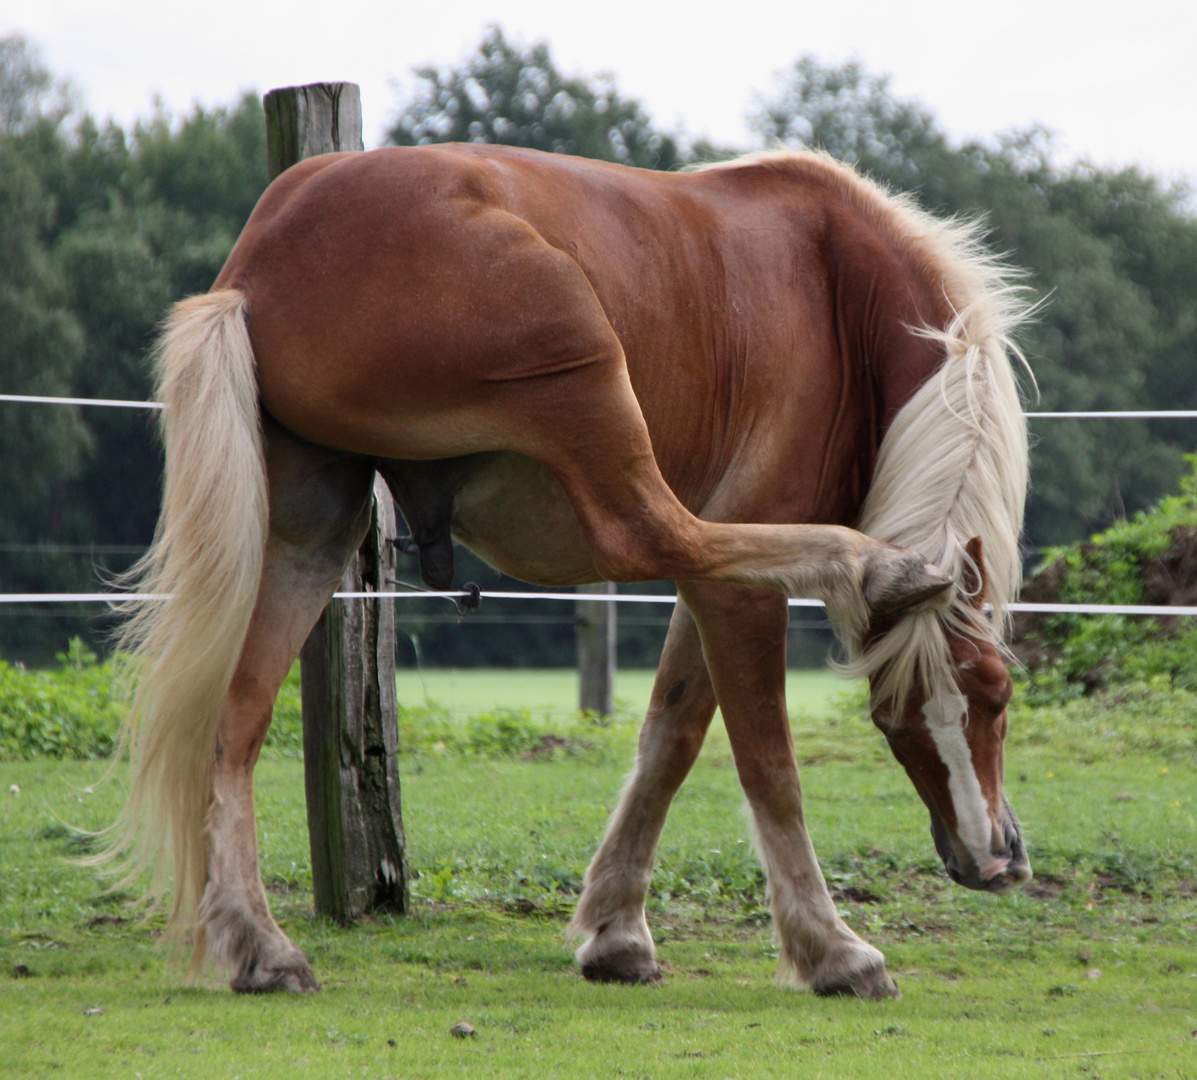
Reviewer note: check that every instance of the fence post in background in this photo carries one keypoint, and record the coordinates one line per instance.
(595, 632)
(350, 729)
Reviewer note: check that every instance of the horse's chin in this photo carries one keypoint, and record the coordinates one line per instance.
(996, 874)
(1011, 875)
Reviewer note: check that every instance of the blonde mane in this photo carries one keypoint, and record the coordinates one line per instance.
(953, 464)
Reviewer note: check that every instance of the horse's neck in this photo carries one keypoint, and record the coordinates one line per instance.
(882, 297)
(885, 292)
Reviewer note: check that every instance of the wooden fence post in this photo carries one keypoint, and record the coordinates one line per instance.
(350, 729)
(595, 634)
(303, 121)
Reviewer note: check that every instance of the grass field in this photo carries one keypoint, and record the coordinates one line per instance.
(1092, 972)
(555, 691)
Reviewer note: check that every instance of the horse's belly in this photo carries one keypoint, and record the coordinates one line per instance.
(514, 514)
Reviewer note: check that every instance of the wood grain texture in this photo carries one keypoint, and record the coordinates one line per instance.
(303, 121)
(351, 773)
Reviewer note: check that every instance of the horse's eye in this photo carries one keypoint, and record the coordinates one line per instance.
(994, 697)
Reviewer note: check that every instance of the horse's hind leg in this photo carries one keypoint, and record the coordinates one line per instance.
(611, 908)
(743, 635)
(557, 388)
(639, 531)
(319, 513)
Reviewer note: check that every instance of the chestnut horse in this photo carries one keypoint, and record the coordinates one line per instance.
(586, 372)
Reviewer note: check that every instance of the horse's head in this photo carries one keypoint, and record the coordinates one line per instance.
(949, 741)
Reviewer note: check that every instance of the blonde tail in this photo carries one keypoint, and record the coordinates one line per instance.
(207, 555)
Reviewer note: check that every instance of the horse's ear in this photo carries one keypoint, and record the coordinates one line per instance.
(974, 580)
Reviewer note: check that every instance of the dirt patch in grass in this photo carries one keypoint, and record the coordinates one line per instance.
(1044, 887)
(854, 894)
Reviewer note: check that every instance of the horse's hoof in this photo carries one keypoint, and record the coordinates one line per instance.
(874, 983)
(892, 591)
(628, 967)
(295, 979)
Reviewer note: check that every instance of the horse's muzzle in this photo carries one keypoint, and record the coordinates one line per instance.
(1005, 870)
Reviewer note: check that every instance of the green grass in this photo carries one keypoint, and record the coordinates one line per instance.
(1093, 973)
(555, 691)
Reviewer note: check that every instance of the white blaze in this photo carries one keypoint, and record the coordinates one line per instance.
(945, 713)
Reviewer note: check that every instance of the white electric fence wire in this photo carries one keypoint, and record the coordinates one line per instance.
(110, 403)
(1142, 414)
(609, 598)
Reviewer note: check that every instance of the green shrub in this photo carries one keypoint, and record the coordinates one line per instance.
(76, 710)
(505, 733)
(1080, 653)
(1133, 719)
(433, 729)
(72, 712)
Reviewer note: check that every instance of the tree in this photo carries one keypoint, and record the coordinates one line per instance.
(515, 96)
(100, 230)
(163, 233)
(28, 91)
(853, 116)
(41, 345)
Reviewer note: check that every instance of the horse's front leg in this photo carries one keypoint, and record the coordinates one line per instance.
(744, 636)
(611, 909)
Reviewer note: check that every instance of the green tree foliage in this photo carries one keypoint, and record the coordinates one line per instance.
(853, 116)
(514, 95)
(100, 230)
(1112, 253)
(156, 238)
(41, 341)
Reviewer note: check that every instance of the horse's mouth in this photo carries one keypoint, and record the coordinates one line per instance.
(999, 873)
(1012, 875)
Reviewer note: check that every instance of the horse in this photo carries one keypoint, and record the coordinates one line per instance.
(763, 378)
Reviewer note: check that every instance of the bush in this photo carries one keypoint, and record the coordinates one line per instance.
(432, 729)
(69, 713)
(507, 733)
(1148, 559)
(75, 712)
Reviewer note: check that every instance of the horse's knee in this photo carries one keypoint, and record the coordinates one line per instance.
(772, 789)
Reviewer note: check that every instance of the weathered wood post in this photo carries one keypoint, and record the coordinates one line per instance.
(595, 634)
(303, 121)
(350, 729)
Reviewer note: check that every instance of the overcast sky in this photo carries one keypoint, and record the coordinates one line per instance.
(1115, 80)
